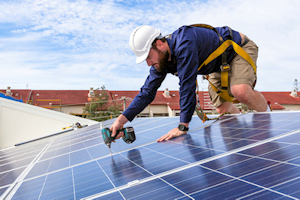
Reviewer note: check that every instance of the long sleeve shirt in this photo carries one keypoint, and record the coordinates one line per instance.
(189, 46)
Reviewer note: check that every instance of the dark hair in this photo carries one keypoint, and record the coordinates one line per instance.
(154, 42)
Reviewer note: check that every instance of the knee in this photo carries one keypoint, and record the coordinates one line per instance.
(242, 92)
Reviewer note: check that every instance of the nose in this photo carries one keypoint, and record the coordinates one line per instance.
(149, 62)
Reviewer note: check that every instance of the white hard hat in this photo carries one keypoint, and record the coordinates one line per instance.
(141, 39)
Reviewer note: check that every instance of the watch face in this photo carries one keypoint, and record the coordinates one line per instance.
(181, 127)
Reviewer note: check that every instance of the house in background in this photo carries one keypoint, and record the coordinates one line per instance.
(166, 103)
(283, 100)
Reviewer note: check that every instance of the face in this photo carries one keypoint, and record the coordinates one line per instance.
(158, 59)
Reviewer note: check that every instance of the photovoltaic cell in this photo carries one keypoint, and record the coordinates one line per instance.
(249, 156)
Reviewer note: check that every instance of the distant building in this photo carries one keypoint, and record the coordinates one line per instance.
(166, 103)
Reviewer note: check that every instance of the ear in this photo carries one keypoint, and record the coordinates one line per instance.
(159, 45)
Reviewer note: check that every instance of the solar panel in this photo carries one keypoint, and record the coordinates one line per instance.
(248, 156)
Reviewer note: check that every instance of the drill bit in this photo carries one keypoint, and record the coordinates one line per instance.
(109, 150)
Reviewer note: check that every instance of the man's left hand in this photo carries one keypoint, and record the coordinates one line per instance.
(175, 132)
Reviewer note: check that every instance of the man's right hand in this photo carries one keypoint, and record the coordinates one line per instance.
(117, 125)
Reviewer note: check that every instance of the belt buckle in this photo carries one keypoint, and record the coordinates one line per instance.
(225, 67)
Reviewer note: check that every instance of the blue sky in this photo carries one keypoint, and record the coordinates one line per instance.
(78, 44)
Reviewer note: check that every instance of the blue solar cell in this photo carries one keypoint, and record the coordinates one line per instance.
(39, 168)
(2, 190)
(264, 148)
(291, 139)
(10, 176)
(92, 142)
(113, 196)
(30, 189)
(230, 190)
(156, 189)
(266, 194)
(48, 154)
(195, 179)
(121, 171)
(284, 153)
(238, 166)
(295, 161)
(90, 179)
(189, 151)
(272, 176)
(98, 151)
(59, 162)
(155, 162)
(77, 146)
(60, 182)
(62, 150)
(79, 157)
(290, 187)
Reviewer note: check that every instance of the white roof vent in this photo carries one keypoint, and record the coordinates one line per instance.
(294, 93)
(91, 92)
(8, 92)
(166, 93)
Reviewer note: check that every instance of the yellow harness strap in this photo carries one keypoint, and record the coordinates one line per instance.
(224, 69)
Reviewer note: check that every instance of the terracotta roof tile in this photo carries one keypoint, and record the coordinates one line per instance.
(278, 99)
(80, 97)
(19, 94)
(67, 97)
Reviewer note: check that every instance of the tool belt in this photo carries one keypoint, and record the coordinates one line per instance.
(225, 67)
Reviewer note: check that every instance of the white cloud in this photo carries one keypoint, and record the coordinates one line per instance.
(84, 43)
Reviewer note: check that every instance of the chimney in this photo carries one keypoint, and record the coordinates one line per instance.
(167, 93)
(91, 93)
(8, 92)
(294, 94)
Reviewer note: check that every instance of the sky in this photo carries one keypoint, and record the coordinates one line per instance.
(78, 44)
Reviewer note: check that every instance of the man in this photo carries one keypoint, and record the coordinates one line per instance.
(182, 54)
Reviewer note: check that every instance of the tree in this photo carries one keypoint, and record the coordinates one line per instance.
(100, 108)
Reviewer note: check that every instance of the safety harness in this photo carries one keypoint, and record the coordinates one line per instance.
(225, 68)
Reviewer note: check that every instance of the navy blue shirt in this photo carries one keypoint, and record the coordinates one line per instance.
(190, 46)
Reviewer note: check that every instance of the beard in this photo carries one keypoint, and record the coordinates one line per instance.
(163, 58)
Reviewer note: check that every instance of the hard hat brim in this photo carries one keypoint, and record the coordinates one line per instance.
(142, 58)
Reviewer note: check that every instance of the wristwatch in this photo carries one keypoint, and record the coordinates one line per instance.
(182, 127)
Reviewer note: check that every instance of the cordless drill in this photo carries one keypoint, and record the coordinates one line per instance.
(128, 137)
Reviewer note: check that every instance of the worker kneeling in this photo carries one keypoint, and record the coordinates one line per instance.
(190, 51)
